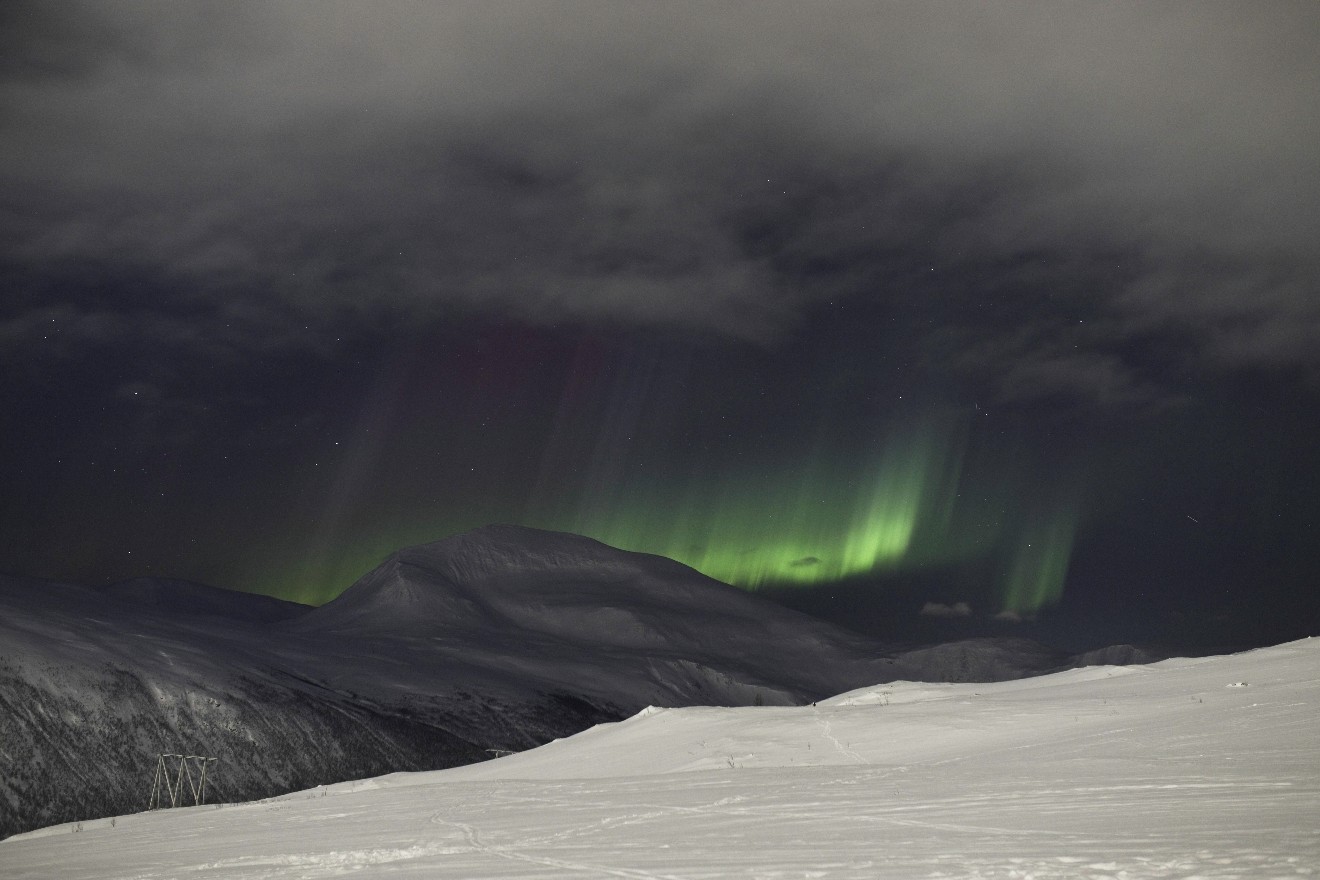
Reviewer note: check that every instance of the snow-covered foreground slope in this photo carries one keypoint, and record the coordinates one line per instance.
(1185, 768)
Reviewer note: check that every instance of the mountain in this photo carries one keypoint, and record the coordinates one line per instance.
(1120, 655)
(627, 628)
(501, 638)
(184, 598)
(1204, 767)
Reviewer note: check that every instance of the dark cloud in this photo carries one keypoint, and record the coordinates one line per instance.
(1051, 372)
(1048, 191)
(59, 329)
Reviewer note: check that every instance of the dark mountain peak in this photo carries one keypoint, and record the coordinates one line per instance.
(399, 596)
(501, 550)
(498, 573)
(535, 583)
(1121, 655)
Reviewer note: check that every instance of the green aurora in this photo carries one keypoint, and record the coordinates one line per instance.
(909, 504)
(1040, 565)
(912, 506)
(826, 523)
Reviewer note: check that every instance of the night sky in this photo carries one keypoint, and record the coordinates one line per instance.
(935, 319)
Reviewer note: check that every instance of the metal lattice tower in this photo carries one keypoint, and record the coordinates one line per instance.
(170, 778)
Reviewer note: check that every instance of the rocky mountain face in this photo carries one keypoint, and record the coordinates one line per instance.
(498, 639)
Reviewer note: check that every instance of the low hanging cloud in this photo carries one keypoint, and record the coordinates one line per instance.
(939, 609)
(1096, 176)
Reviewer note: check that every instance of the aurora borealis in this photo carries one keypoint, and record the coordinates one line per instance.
(1009, 316)
(812, 518)
(906, 505)
(818, 525)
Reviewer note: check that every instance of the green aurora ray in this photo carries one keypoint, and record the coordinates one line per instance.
(905, 505)
(909, 507)
(1040, 564)
(823, 524)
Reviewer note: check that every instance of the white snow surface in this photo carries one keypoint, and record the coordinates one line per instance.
(1185, 768)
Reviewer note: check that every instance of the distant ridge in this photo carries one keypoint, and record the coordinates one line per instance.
(1120, 655)
(173, 596)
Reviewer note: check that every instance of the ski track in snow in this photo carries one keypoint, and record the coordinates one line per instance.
(1169, 774)
(827, 730)
(847, 825)
(473, 837)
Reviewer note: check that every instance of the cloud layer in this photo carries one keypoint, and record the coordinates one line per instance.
(1042, 194)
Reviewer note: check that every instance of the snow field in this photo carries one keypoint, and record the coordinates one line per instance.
(1185, 768)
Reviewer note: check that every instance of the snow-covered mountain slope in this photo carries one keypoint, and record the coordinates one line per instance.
(92, 687)
(666, 632)
(564, 586)
(1185, 768)
(501, 638)
(1119, 655)
(557, 606)
(178, 597)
